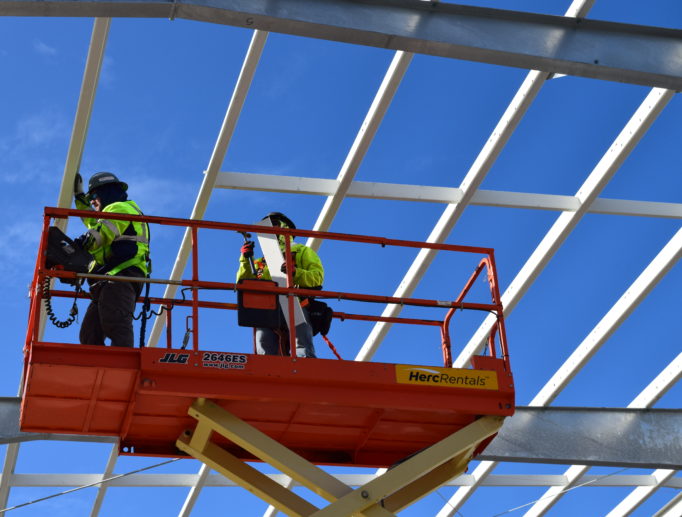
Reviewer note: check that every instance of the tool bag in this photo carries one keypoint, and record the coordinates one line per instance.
(257, 308)
(320, 317)
(63, 253)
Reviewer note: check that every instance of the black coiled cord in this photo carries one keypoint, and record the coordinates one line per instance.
(48, 306)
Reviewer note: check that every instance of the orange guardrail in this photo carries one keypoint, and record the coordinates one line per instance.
(496, 338)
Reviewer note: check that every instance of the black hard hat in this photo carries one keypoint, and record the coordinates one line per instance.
(104, 178)
(279, 217)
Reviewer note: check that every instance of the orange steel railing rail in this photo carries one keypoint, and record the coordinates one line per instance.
(487, 262)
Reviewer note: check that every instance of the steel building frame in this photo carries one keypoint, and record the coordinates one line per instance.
(383, 24)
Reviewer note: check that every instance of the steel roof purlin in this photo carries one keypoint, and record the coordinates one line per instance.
(552, 46)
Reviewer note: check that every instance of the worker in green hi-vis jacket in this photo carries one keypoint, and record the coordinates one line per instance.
(119, 248)
(308, 273)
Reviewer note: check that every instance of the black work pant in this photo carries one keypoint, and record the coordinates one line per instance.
(110, 313)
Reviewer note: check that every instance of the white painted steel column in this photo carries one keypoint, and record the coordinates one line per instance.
(377, 110)
(234, 109)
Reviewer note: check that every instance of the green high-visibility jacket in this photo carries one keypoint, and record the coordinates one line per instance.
(105, 232)
(309, 271)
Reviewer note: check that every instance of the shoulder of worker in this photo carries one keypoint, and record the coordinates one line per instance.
(305, 252)
(123, 207)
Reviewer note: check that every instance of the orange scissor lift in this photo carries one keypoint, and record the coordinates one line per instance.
(227, 408)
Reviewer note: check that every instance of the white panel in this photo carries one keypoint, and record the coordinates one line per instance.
(275, 259)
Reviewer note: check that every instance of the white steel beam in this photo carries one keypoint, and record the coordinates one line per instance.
(232, 114)
(619, 150)
(93, 65)
(640, 288)
(660, 385)
(102, 490)
(8, 466)
(377, 110)
(647, 398)
(522, 100)
(624, 143)
(382, 100)
(430, 194)
(482, 165)
(656, 388)
(672, 508)
(194, 492)
(234, 109)
(620, 311)
(553, 44)
(640, 494)
(86, 100)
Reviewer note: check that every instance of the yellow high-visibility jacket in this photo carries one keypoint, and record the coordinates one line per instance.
(309, 271)
(106, 233)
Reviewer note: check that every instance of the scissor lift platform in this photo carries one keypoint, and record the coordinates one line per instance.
(327, 411)
(423, 423)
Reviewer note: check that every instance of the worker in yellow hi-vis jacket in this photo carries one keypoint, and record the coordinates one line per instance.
(308, 273)
(119, 248)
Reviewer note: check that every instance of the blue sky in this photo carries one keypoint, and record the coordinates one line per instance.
(163, 93)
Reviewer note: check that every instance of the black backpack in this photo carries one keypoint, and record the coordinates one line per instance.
(320, 317)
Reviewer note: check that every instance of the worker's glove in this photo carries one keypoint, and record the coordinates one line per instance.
(78, 192)
(83, 240)
(284, 269)
(247, 249)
